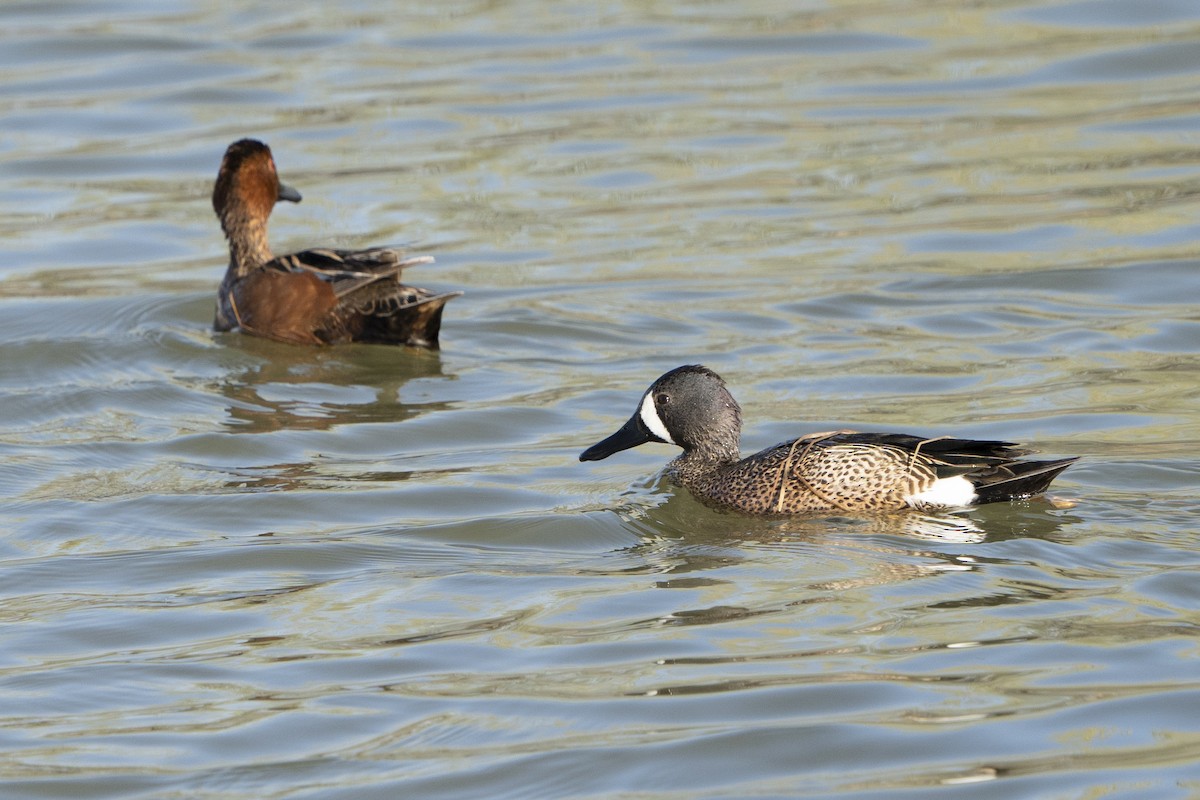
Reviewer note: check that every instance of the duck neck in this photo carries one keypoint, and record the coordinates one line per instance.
(698, 463)
(247, 235)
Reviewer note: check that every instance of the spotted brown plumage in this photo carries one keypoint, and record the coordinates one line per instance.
(319, 296)
(821, 472)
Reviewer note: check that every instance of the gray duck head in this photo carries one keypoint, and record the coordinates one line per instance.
(689, 407)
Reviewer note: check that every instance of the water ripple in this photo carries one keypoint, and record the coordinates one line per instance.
(236, 568)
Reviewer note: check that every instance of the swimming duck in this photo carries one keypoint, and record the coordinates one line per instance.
(320, 296)
(821, 472)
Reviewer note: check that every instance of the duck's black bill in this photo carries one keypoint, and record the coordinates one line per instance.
(288, 193)
(632, 433)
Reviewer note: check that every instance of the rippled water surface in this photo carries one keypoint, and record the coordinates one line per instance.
(237, 569)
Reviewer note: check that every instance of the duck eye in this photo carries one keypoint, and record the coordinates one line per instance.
(661, 399)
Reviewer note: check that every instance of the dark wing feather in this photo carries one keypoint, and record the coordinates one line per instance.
(965, 453)
(387, 299)
(350, 270)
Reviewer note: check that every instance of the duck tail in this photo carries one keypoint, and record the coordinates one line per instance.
(1017, 479)
(415, 322)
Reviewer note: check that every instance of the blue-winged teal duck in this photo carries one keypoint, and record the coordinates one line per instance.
(317, 296)
(822, 472)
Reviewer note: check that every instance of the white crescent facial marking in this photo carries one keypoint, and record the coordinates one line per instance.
(956, 492)
(651, 420)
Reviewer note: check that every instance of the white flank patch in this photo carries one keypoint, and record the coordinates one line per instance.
(945, 493)
(651, 420)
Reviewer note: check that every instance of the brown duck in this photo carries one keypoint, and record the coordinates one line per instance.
(822, 472)
(320, 296)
